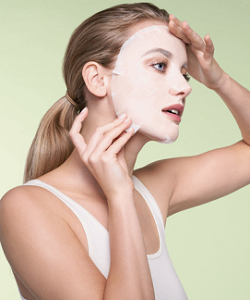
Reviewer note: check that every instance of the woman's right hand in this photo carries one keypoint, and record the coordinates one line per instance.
(104, 153)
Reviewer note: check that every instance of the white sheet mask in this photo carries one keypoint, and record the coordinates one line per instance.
(142, 91)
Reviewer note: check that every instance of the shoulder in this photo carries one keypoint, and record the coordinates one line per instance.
(27, 209)
(26, 213)
(21, 196)
(25, 204)
(24, 197)
(34, 232)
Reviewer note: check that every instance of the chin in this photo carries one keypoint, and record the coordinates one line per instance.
(169, 139)
(164, 138)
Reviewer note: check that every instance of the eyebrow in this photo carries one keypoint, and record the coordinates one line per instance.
(164, 52)
(160, 50)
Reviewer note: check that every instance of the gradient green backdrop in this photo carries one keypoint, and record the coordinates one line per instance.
(209, 245)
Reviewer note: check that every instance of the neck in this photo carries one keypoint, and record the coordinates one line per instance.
(76, 172)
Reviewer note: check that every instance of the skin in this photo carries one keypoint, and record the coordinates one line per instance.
(98, 176)
(149, 81)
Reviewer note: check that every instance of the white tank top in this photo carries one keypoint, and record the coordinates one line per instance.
(166, 283)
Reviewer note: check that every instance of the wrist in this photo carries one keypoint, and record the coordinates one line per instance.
(120, 197)
(121, 200)
(222, 84)
(117, 192)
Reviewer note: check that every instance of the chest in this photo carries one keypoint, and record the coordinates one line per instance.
(165, 281)
(98, 209)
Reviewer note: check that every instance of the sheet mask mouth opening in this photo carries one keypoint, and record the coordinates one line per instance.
(173, 111)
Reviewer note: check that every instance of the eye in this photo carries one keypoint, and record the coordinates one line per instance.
(186, 76)
(160, 66)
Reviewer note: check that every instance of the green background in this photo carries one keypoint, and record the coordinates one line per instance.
(209, 245)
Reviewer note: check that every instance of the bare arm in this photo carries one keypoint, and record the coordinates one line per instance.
(129, 271)
(129, 275)
(203, 67)
(237, 99)
(44, 251)
(203, 178)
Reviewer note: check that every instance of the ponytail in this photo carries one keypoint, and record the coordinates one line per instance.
(52, 144)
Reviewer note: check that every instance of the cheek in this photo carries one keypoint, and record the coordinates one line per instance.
(128, 91)
(141, 89)
(143, 98)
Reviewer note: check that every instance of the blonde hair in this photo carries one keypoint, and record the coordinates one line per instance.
(99, 39)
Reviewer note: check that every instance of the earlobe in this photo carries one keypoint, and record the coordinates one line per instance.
(94, 77)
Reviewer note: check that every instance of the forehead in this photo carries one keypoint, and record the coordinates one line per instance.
(149, 38)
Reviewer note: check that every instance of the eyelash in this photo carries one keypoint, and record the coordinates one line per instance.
(186, 75)
(160, 63)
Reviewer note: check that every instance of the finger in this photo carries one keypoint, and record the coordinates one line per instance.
(110, 137)
(100, 132)
(106, 127)
(178, 32)
(175, 20)
(118, 145)
(79, 144)
(209, 51)
(75, 134)
(176, 25)
(196, 41)
(77, 124)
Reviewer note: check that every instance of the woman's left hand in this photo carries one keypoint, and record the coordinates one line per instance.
(201, 63)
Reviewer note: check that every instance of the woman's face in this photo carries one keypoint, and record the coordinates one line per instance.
(149, 84)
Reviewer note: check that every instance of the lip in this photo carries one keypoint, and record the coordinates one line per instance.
(175, 118)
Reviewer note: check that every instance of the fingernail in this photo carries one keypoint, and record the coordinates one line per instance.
(130, 129)
(121, 116)
(83, 111)
(128, 118)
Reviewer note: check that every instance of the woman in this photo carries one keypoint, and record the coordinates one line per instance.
(107, 242)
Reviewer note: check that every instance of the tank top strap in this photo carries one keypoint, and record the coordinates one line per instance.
(22, 298)
(97, 235)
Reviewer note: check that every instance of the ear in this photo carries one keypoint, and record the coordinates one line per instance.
(95, 78)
